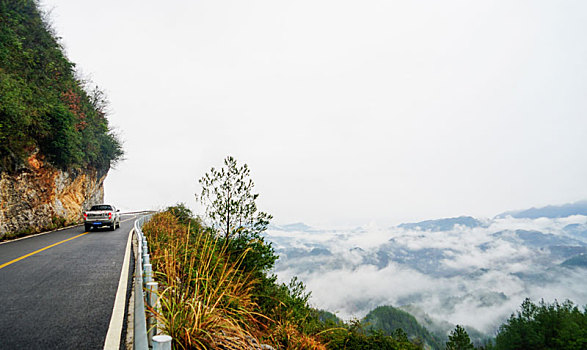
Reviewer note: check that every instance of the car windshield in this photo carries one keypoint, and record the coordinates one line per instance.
(101, 207)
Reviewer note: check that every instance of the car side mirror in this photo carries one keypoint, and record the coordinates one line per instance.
(117, 210)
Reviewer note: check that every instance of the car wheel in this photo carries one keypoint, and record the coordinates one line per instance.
(112, 227)
(87, 227)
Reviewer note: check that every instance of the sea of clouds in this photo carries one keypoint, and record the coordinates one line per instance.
(475, 276)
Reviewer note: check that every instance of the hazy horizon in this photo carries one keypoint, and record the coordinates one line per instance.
(347, 112)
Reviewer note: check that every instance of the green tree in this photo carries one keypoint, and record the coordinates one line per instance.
(459, 340)
(232, 212)
(183, 214)
(544, 326)
(229, 201)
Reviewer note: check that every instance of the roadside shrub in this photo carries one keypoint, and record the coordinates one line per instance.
(206, 303)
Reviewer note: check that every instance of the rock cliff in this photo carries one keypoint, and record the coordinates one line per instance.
(50, 120)
(40, 196)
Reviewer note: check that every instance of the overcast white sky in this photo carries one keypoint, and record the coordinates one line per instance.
(347, 112)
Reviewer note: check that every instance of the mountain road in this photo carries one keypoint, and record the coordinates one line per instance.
(57, 290)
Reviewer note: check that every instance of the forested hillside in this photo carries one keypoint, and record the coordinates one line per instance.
(44, 107)
(389, 319)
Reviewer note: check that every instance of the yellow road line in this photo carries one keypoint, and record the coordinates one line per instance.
(40, 250)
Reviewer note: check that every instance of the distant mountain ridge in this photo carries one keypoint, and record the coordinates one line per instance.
(446, 224)
(298, 226)
(549, 211)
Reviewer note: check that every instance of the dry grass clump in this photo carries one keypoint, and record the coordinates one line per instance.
(206, 302)
(289, 337)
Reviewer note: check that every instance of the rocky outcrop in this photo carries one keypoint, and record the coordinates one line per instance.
(40, 196)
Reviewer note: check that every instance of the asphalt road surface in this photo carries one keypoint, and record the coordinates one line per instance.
(61, 297)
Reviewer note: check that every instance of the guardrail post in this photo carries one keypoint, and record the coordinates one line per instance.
(148, 275)
(162, 342)
(146, 325)
(152, 302)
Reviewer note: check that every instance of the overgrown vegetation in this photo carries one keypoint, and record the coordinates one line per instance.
(43, 106)
(206, 303)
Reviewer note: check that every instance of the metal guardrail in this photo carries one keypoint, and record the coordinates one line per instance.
(145, 291)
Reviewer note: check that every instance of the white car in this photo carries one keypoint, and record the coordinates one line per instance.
(102, 215)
